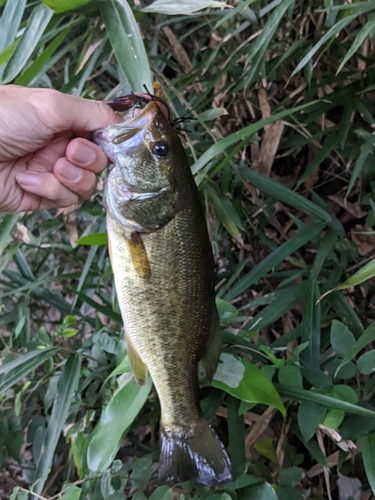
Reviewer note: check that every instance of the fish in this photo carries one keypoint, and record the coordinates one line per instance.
(163, 269)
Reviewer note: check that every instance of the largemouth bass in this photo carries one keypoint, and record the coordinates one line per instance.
(164, 276)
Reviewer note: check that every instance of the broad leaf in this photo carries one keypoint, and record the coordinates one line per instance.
(115, 419)
(246, 382)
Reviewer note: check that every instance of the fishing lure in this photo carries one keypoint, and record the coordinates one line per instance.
(139, 100)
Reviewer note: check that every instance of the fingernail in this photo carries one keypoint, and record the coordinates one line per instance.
(70, 172)
(27, 178)
(83, 154)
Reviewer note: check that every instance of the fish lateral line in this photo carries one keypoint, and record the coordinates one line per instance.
(138, 255)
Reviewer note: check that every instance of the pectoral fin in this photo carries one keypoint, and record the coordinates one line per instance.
(138, 255)
(140, 370)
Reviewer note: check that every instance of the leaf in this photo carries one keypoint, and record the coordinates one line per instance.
(104, 309)
(362, 34)
(283, 300)
(9, 23)
(244, 381)
(115, 419)
(324, 249)
(311, 325)
(36, 25)
(332, 32)
(236, 435)
(94, 239)
(43, 62)
(126, 40)
(364, 274)
(242, 135)
(275, 258)
(122, 367)
(323, 400)
(258, 49)
(72, 492)
(262, 492)
(290, 375)
(64, 5)
(367, 444)
(14, 371)
(172, 8)
(286, 195)
(342, 339)
(60, 411)
(366, 363)
(334, 419)
(291, 476)
(162, 493)
(310, 415)
(6, 225)
(365, 151)
(225, 212)
(365, 339)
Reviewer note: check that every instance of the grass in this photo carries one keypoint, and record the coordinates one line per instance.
(281, 143)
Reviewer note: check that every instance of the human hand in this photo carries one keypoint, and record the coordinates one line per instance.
(46, 159)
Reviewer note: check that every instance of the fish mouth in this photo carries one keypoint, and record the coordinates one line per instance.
(135, 120)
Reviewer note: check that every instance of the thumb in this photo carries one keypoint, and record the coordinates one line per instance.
(63, 112)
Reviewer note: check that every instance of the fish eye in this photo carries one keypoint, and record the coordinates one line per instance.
(160, 148)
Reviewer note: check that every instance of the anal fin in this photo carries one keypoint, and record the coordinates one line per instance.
(211, 357)
(140, 370)
(138, 255)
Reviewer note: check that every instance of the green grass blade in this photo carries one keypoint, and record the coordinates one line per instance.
(311, 325)
(284, 300)
(172, 8)
(260, 46)
(366, 31)
(63, 6)
(329, 145)
(242, 135)
(14, 371)
(323, 400)
(284, 194)
(101, 308)
(6, 225)
(43, 62)
(275, 258)
(236, 434)
(332, 32)
(365, 151)
(126, 40)
(324, 249)
(52, 298)
(365, 273)
(94, 239)
(10, 21)
(368, 454)
(38, 21)
(60, 411)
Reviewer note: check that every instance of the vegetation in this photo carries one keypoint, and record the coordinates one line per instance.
(281, 100)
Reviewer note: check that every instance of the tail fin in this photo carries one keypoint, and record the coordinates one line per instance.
(194, 453)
